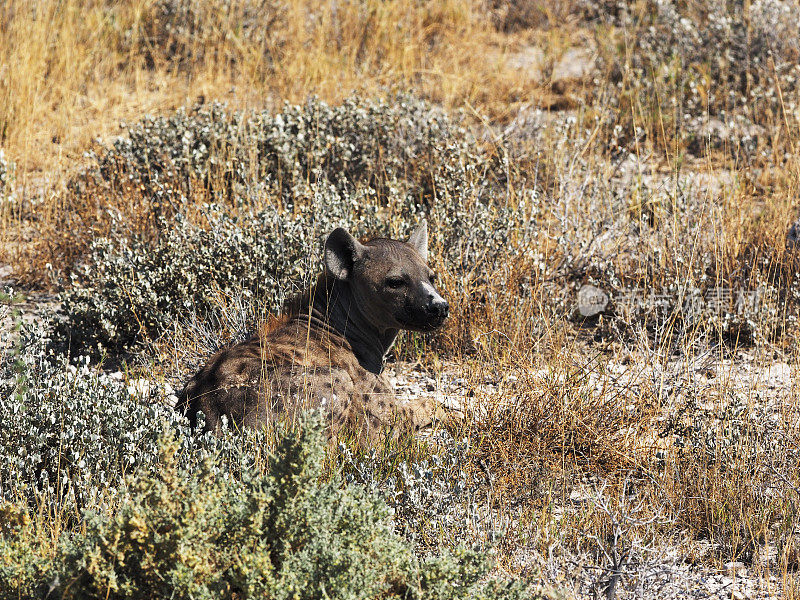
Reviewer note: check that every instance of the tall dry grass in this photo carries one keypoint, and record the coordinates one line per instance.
(71, 70)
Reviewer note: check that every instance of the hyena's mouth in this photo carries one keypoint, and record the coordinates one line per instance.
(424, 323)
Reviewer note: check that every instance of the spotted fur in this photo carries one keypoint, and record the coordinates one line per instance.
(327, 351)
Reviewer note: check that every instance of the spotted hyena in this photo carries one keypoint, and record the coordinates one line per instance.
(328, 351)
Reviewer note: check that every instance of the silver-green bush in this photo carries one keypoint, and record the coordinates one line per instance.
(280, 183)
(405, 143)
(286, 533)
(72, 433)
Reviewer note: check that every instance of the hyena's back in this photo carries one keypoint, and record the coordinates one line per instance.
(286, 369)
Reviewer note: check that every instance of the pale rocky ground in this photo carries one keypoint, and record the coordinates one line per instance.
(671, 571)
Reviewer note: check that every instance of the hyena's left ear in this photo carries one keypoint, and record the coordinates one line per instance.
(419, 240)
(342, 250)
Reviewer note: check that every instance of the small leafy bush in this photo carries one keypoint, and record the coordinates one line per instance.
(286, 533)
(134, 289)
(371, 151)
(72, 433)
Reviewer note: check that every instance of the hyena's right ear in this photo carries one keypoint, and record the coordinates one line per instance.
(341, 251)
(419, 240)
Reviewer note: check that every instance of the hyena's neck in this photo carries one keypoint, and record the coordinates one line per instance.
(329, 305)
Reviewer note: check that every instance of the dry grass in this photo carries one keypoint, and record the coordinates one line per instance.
(652, 457)
(103, 64)
(71, 71)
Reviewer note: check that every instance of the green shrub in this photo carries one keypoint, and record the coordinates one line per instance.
(285, 533)
(24, 565)
(72, 433)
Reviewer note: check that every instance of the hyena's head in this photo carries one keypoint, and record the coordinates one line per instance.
(390, 280)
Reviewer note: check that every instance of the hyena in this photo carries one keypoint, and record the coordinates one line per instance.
(327, 352)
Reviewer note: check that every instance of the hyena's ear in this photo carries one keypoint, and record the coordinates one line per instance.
(419, 240)
(341, 251)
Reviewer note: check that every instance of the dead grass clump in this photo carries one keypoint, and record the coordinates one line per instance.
(104, 63)
(563, 415)
(637, 457)
(731, 474)
(705, 76)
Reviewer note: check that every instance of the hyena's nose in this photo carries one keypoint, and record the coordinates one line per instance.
(437, 307)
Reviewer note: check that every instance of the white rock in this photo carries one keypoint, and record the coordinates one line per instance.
(576, 63)
(778, 375)
(530, 60)
(735, 568)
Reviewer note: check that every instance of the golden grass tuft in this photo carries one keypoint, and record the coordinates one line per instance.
(72, 70)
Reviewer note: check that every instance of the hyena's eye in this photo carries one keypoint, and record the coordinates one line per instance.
(432, 277)
(395, 282)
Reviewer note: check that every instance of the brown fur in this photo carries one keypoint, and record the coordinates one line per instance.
(327, 352)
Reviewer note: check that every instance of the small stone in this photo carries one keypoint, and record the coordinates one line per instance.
(591, 300)
(530, 60)
(735, 568)
(576, 63)
(793, 236)
(778, 375)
